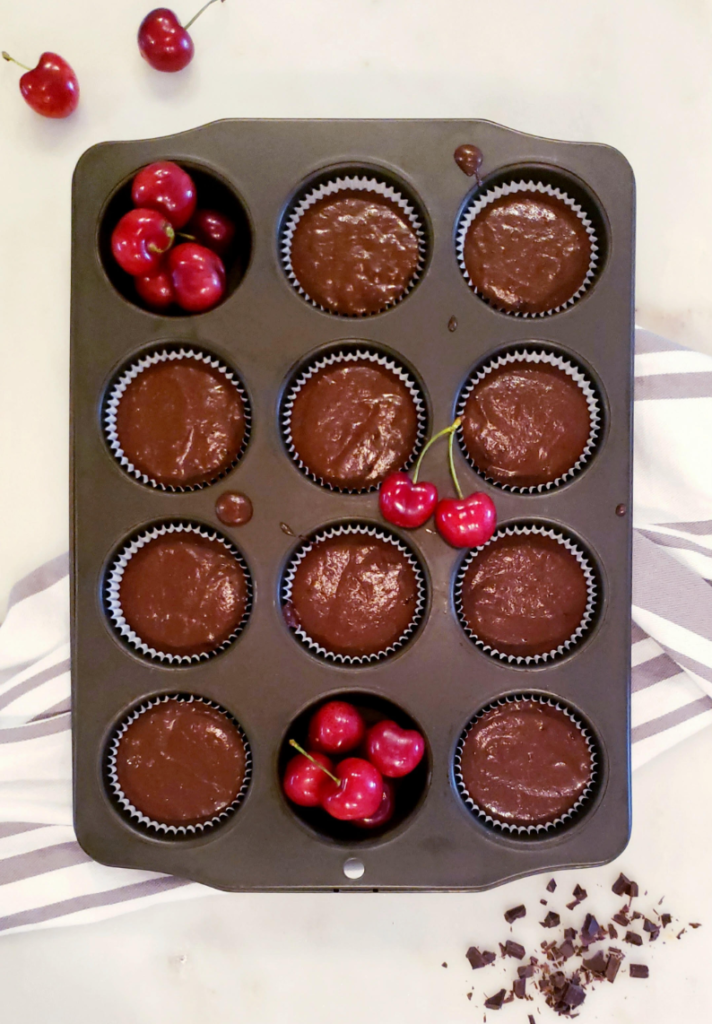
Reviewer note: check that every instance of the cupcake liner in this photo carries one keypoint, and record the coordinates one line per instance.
(550, 826)
(535, 356)
(478, 204)
(367, 531)
(591, 586)
(112, 596)
(118, 388)
(330, 188)
(125, 804)
(350, 357)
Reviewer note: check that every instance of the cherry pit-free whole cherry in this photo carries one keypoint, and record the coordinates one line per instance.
(51, 88)
(163, 42)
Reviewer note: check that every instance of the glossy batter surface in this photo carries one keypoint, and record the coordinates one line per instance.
(183, 594)
(524, 595)
(468, 158)
(233, 508)
(527, 252)
(181, 422)
(525, 763)
(526, 424)
(354, 423)
(354, 595)
(354, 253)
(181, 763)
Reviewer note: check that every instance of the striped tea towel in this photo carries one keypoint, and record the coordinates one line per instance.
(47, 880)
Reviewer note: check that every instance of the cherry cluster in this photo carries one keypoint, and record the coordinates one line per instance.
(357, 789)
(190, 274)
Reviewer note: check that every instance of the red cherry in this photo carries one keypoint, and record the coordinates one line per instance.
(404, 503)
(164, 42)
(166, 187)
(394, 751)
(198, 277)
(466, 522)
(156, 290)
(51, 89)
(303, 779)
(358, 793)
(384, 812)
(212, 229)
(336, 728)
(139, 241)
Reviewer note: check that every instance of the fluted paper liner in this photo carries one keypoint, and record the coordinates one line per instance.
(111, 407)
(478, 204)
(113, 595)
(357, 355)
(138, 816)
(549, 826)
(535, 355)
(351, 184)
(591, 587)
(366, 531)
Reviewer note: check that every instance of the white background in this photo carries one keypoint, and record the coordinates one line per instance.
(632, 73)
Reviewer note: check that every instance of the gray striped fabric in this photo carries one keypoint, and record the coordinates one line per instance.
(47, 880)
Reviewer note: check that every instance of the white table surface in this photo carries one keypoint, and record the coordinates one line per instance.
(634, 74)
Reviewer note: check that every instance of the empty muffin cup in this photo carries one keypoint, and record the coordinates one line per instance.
(353, 594)
(527, 249)
(527, 596)
(526, 765)
(531, 420)
(178, 765)
(178, 593)
(353, 246)
(351, 417)
(177, 419)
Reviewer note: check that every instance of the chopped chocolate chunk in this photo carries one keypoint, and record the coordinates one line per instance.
(680, 934)
(544, 903)
(478, 959)
(495, 1002)
(633, 938)
(513, 949)
(639, 971)
(551, 887)
(526, 972)
(531, 1019)
(621, 919)
(665, 920)
(572, 905)
(652, 928)
(514, 913)
(612, 968)
(596, 964)
(469, 995)
(580, 894)
(633, 889)
(566, 950)
(443, 964)
(612, 931)
(695, 924)
(573, 995)
(570, 933)
(520, 988)
(558, 980)
(590, 931)
(552, 920)
(636, 915)
(620, 886)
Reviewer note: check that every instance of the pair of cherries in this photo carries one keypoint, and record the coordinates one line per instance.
(464, 522)
(357, 789)
(190, 274)
(51, 88)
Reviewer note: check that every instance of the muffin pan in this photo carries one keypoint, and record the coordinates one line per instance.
(265, 333)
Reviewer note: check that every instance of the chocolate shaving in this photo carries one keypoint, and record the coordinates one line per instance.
(695, 924)
(633, 938)
(544, 903)
(513, 949)
(495, 1002)
(621, 919)
(531, 1019)
(665, 920)
(680, 934)
(551, 887)
(639, 971)
(469, 995)
(478, 959)
(514, 913)
(552, 920)
(443, 964)
(612, 931)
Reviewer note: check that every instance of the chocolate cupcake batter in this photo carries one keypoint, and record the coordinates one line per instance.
(353, 423)
(183, 594)
(524, 595)
(355, 252)
(233, 508)
(469, 159)
(355, 595)
(527, 252)
(181, 763)
(525, 763)
(526, 424)
(181, 422)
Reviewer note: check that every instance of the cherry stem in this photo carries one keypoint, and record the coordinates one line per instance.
(436, 437)
(451, 460)
(196, 16)
(191, 238)
(8, 57)
(293, 743)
